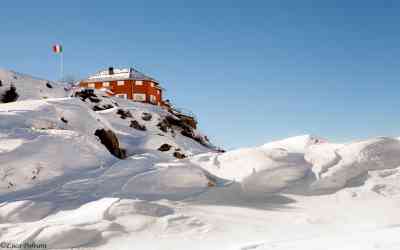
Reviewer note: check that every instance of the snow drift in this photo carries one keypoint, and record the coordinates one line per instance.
(313, 164)
(43, 146)
(59, 184)
(338, 166)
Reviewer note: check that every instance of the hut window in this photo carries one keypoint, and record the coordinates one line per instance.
(139, 97)
(124, 96)
(139, 83)
(106, 84)
(120, 83)
(91, 85)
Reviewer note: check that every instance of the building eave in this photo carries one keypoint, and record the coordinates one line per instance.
(113, 79)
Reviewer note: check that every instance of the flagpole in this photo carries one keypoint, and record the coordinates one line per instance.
(62, 65)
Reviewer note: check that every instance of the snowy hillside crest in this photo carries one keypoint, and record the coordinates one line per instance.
(85, 169)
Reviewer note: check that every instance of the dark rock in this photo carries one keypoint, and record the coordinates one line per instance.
(189, 121)
(136, 125)
(186, 130)
(94, 99)
(10, 95)
(146, 116)
(168, 122)
(185, 126)
(182, 123)
(97, 108)
(173, 121)
(49, 85)
(211, 184)
(64, 120)
(85, 93)
(179, 155)
(1, 83)
(124, 113)
(110, 141)
(103, 107)
(188, 133)
(165, 147)
(108, 106)
(163, 126)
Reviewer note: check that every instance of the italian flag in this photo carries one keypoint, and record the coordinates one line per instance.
(57, 49)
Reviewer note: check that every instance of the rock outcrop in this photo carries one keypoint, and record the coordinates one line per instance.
(110, 141)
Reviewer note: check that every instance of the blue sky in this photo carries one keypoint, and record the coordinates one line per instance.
(252, 71)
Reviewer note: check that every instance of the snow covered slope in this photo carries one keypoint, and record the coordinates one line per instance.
(44, 139)
(137, 141)
(61, 186)
(177, 206)
(51, 160)
(29, 87)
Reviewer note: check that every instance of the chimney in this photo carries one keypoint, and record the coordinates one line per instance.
(111, 70)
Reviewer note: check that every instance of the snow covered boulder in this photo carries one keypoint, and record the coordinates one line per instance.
(322, 157)
(338, 167)
(272, 181)
(67, 237)
(89, 213)
(296, 144)
(127, 207)
(172, 181)
(241, 163)
(259, 171)
(24, 211)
